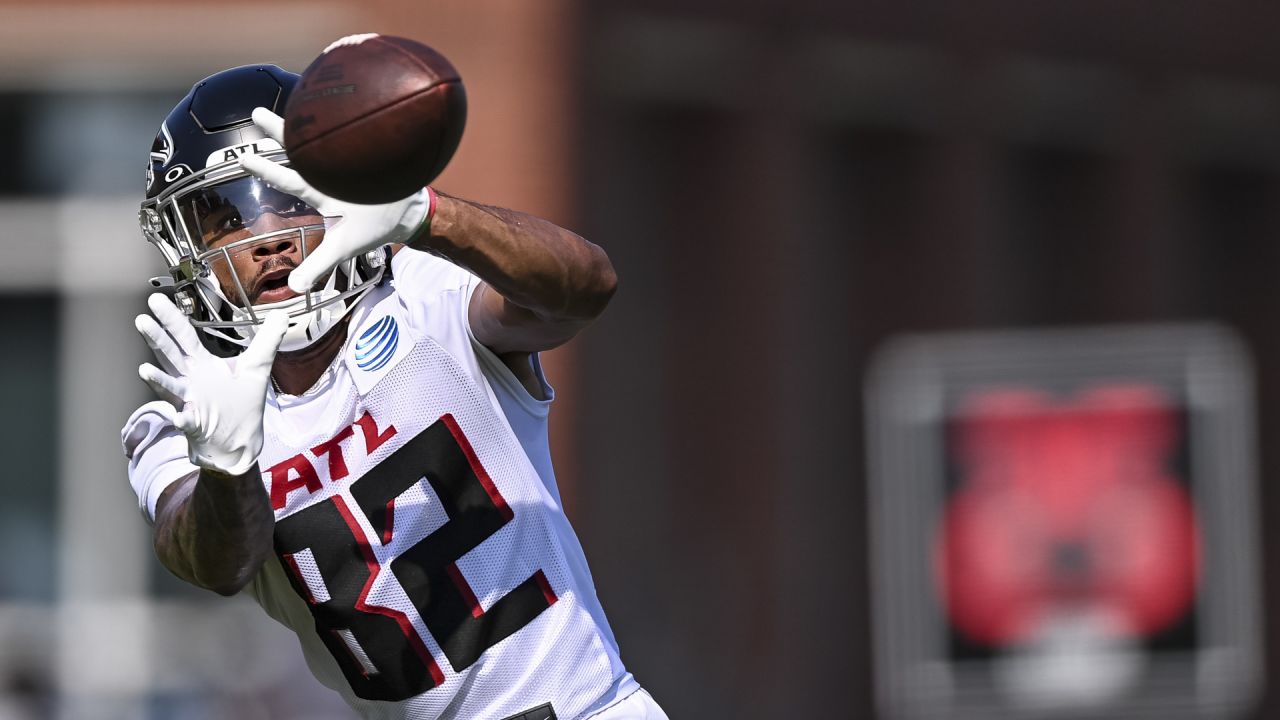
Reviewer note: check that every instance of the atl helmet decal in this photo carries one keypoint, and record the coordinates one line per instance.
(377, 345)
(231, 152)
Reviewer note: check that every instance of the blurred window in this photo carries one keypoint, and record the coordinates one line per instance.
(28, 377)
(93, 143)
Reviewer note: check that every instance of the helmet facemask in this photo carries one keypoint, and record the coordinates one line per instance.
(202, 225)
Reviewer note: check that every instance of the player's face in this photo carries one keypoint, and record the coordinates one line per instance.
(261, 234)
(263, 266)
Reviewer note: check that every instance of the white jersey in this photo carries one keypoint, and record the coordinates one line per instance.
(424, 560)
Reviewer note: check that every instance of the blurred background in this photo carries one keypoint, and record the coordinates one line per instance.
(783, 185)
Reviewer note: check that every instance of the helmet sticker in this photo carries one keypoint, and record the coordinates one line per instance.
(176, 172)
(233, 152)
(161, 153)
(162, 150)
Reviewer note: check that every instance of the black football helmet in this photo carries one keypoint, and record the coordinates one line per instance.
(196, 190)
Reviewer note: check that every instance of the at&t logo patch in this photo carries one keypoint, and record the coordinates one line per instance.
(377, 345)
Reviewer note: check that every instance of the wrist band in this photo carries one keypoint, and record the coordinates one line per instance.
(424, 227)
(432, 198)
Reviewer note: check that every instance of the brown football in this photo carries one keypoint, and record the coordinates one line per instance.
(374, 118)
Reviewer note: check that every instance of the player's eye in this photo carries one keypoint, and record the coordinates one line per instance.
(294, 207)
(229, 222)
(220, 226)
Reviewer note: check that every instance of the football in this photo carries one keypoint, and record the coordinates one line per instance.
(375, 118)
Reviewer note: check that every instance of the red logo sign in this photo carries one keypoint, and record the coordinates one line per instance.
(1064, 505)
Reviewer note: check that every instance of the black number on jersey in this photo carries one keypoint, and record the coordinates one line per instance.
(380, 653)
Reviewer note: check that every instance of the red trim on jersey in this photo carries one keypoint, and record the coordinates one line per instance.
(545, 584)
(474, 460)
(391, 516)
(465, 590)
(406, 627)
(297, 571)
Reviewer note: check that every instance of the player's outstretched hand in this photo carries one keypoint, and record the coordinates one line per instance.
(219, 409)
(362, 227)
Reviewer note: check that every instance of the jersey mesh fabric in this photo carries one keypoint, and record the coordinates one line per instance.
(562, 656)
(432, 289)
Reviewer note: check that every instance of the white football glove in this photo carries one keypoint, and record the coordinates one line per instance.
(362, 228)
(217, 408)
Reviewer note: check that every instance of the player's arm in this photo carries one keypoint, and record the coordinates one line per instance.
(542, 283)
(215, 530)
(214, 527)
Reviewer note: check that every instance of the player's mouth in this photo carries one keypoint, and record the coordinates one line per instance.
(273, 287)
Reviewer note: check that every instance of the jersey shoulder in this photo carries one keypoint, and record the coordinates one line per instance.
(421, 277)
(427, 299)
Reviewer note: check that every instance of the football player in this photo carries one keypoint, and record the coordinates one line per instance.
(353, 423)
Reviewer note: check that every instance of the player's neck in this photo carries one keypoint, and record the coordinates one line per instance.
(295, 372)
